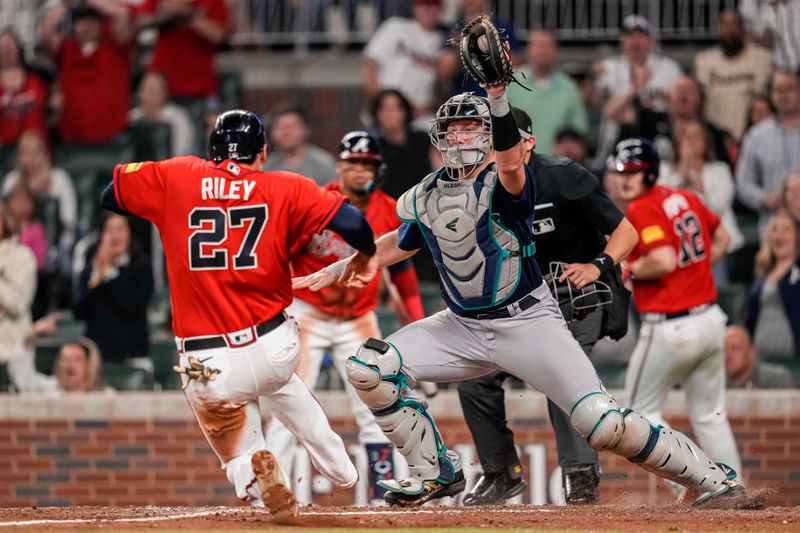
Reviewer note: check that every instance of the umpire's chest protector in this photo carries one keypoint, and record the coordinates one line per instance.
(478, 259)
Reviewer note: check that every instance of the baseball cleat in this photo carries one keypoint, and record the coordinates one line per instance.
(494, 488)
(413, 492)
(278, 498)
(731, 495)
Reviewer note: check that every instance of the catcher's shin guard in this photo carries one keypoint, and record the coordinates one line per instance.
(665, 452)
(376, 373)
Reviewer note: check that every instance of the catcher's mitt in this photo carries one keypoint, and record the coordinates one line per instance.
(484, 53)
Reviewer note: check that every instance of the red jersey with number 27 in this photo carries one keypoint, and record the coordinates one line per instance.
(675, 218)
(227, 232)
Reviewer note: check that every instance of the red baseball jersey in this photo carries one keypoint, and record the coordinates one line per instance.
(227, 232)
(675, 218)
(326, 247)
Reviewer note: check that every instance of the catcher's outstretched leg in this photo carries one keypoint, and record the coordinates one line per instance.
(665, 452)
(376, 372)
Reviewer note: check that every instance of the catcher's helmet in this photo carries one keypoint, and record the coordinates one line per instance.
(576, 303)
(636, 155)
(238, 135)
(464, 106)
(360, 145)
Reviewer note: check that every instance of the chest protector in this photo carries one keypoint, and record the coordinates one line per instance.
(478, 258)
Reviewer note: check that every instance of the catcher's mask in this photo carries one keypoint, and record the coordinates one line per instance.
(576, 303)
(464, 106)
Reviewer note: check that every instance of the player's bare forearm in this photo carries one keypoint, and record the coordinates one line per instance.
(719, 244)
(655, 264)
(622, 241)
(389, 252)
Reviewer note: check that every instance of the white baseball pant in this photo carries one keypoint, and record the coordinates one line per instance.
(227, 408)
(320, 333)
(687, 351)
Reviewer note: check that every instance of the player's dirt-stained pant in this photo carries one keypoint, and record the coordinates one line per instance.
(534, 345)
(227, 408)
(687, 351)
(320, 332)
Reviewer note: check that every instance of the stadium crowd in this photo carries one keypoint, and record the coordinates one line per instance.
(82, 292)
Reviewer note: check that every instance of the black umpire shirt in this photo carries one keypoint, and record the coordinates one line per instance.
(573, 212)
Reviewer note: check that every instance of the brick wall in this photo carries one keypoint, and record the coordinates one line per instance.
(127, 449)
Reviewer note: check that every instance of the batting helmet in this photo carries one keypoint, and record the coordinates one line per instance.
(360, 145)
(636, 155)
(238, 135)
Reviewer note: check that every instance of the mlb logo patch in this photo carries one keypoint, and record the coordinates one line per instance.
(234, 169)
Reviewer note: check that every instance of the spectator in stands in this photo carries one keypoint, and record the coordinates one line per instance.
(94, 66)
(23, 94)
(638, 78)
(408, 155)
(189, 35)
(694, 166)
(770, 149)
(77, 368)
(685, 104)
(406, 152)
(546, 94)
(775, 23)
(291, 149)
(744, 370)
(451, 75)
(760, 109)
(732, 74)
(153, 105)
(17, 287)
(571, 144)
(21, 205)
(34, 168)
(113, 294)
(791, 195)
(403, 55)
(772, 309)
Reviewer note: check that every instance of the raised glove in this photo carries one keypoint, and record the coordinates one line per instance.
(484, 53)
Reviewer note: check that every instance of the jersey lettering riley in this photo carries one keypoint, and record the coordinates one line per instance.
(327, 247)
(227, 232)
(675, 218)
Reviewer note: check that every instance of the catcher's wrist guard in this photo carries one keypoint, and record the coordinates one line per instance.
(603, 262)
(499, 107)
(505, 133)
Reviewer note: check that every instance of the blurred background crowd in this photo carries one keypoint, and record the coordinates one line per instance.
(87, 84)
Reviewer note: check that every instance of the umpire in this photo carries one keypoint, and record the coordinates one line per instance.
(573, 215)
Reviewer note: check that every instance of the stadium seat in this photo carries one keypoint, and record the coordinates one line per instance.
(230, 89)
(7, 155)
(730, 298)
(151, 140)
(99, 158)
(387, 321)
(120, 377)
(164, 356)
(47, 349)
(612, 373)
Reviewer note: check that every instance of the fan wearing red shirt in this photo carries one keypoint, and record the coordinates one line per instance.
(227, 230)
(682, 337)
(23, 95)
(189, 33)
(94, 66)
(337, 320)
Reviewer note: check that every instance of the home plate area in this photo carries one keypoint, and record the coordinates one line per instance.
(541, 518)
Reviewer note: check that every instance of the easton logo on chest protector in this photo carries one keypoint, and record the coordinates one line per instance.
(452, 224)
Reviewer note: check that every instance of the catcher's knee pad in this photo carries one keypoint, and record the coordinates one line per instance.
(668, 453)
(598, 418)
(375, 373)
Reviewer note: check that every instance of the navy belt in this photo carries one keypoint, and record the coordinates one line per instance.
(207, 343)
(526, 302)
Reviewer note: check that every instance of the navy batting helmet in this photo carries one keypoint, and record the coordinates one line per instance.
(636, 155)
(238, 135)
(360, 145)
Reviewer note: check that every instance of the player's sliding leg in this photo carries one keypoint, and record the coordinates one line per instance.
(295, 407)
